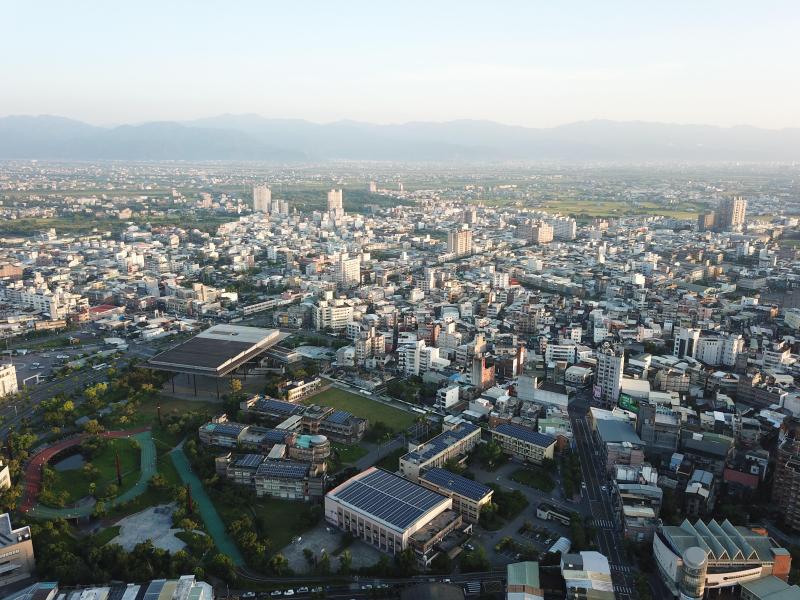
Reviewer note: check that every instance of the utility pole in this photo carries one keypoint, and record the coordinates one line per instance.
(119, 470)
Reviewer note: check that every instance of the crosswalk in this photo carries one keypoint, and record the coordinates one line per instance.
(473, 587)
(605, 523)
(621, 568)
(623, 589)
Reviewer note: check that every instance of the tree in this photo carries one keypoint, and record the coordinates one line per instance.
(474, 560)
(279, 564)
(324, 564)
(310, 557)
(407, 561)
(345, 562)
(222, 566)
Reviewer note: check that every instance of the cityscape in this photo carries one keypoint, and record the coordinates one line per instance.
(444, 301)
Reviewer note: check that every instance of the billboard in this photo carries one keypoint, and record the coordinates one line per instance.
(627, 403)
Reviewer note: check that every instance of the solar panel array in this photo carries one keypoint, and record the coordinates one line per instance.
(282, 469)
(441, 442)
(525, 434)
(389, 498)
(231, 429)
(456, 483)
(275, 436)
(339, 417)
(249, 460)
(270, 405)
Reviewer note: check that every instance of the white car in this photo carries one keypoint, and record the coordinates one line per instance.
(288, 593)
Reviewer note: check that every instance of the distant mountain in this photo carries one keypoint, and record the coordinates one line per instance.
(251, 137)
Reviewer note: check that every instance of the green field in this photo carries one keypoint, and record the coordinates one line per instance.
(619, 208)
(75, 483)
(348, 454)
(278, 520)
(372, 410)
(391, 462)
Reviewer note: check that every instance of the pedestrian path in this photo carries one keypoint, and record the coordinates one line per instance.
(623, 589)
(604, 523)
(212, 520)
(147, 449)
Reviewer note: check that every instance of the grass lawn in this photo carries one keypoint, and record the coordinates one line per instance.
(534, 477)
(347, 455)
(148, 411)
(372, 410)
(105, 536)
(391, 462)
(278, 520)
(76, 483)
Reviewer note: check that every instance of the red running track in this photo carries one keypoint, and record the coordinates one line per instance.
(33, 471)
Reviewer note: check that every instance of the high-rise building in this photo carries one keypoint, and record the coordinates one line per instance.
(706, 221)
(459, 242)
(335, 206)
(535, 232)
(608, 379)
(730, 213)
(685, 342)
(348, 270)
(262, 198)
(786, 483)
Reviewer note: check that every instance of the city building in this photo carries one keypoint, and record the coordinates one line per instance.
(8, 380)
(262, 199)
(694, 559)
(454, 443)
(392, 513)
(522, 581)
(608, 378)
(730, 213)
(786, 480)
(348, 270)
(524, 443)
(468, 495)
(16, 552)
(335, 204)
(459, 241)
(587, 576)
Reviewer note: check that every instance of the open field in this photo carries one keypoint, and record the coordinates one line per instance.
(619, 208)
(372, 410)
(76, 482)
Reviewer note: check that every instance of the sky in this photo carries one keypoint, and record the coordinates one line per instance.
(531, 63)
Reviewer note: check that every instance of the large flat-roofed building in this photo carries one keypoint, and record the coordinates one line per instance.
(16, 552)
(524, 443)
(391, 513)
(218, 351)
(453, 443)
(468, 496)
(769, 588)
(523, 581)
(715, 556)
(587, 576)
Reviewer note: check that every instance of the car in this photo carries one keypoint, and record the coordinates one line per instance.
(302, 590)
(276, 593)
(317, 589)
(248, 595)
(288, 593)
(35, 365)
(62, 356)
(366, 586)
(604, 488)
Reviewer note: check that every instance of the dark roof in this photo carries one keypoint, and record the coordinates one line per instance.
(440, 443)
(249, 460)
(525, 434)
(339, 417)
(456, 483)
(200, 354)
(282, 469)
(277, 407)
(388, 497)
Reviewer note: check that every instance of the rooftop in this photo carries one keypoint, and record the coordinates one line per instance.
(456, 483)
(526, 434)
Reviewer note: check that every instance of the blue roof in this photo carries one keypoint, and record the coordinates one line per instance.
(388, 497)
(525, 434)
(249, 460)
(275, 436)
(339, 417)
(441, 442)
(270, 405)
(231, 429)
(282, 469)
(456, 483)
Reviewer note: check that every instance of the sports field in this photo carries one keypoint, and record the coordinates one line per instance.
(372, 410)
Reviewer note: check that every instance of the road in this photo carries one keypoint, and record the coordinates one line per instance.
(609, 539)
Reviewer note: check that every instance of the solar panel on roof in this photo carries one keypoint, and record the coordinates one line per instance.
(456, 483)
(277, 406)
(250, 460)
(282, 469)
(233, 429)
(339, 417)
(390, 498)
(525, 434)
(275, 436)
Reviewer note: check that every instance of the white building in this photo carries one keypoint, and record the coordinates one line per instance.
(348, 270)
(262, 198)
(610, 364)
(446, 397)
(685, 342)
(331, 314)
(8, 380)
(459, 242)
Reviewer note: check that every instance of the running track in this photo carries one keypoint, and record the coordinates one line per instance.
(33, 471)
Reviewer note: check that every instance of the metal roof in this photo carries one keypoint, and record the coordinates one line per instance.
(282, 469)
(389, 498)
(456, 483)
(525, 434)
(440, 443)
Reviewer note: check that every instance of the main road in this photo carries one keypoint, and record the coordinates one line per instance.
(596, 488)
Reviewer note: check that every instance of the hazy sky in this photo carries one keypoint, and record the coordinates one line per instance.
(527, 63)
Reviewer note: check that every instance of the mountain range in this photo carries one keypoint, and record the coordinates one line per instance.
(252, 137)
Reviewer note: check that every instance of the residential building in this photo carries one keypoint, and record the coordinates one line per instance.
(786, 480)
(608, 379)
(587, 576)
(459, 242)
(8, 380)
(262, 198)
